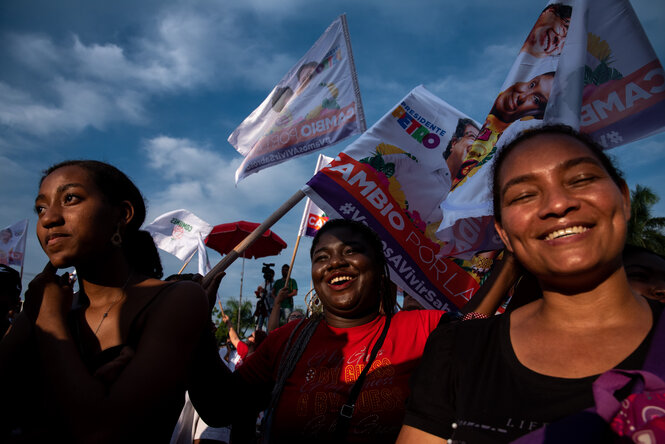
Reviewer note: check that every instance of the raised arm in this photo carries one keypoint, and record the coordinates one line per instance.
(273, 321)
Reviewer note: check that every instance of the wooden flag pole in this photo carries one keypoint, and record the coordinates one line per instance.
(253, 236)
(187, 262)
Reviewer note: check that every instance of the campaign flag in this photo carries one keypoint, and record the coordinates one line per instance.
(204, 263)
(12, 243)
(313, 217)
(178, 232)
(587, 65)
(393, 178)
(315, 105)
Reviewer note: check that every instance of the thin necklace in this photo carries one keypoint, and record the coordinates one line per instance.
(106, 313)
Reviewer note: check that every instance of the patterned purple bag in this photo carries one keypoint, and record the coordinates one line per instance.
(640, 416)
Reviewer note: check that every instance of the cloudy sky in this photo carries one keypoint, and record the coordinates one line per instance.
(155, 87)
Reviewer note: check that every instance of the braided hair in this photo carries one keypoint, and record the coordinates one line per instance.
(137, 245)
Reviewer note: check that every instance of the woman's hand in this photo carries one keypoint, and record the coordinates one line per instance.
(48, 295)
(225, 319)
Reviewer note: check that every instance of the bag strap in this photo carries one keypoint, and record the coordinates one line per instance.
(346, 412)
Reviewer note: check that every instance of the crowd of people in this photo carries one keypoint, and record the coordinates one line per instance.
(117, 361)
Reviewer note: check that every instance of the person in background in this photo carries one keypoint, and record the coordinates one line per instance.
(646, 272)
(10, 296)
(244, 348)
(265, 298)
(290, 290)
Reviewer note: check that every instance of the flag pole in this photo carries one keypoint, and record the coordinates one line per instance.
(253, 236)
(293, 259)
(187, 262)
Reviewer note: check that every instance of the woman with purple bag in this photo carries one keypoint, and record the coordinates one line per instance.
(562, 209)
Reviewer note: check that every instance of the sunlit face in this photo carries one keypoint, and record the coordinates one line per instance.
(345, 275)
(75, 222)
(561, 213)
(547, 36)
(523, 99)
(646, 274)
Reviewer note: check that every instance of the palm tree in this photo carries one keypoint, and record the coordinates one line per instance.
(246, 315)
(643, 229)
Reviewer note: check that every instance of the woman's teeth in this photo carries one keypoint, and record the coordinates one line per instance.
(566, 232)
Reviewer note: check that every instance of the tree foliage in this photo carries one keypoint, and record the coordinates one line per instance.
(231, 310)
(644, 230)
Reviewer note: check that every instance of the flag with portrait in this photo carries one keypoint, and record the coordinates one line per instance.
(315, 105)
(589, 66)
(12, 243)
(393, 178)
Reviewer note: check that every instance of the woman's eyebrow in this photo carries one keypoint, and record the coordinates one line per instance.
(61, 189)
(563, 165)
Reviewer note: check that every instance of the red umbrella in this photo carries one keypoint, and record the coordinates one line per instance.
(224, 237)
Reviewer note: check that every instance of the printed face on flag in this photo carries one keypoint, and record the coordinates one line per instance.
(12, 243)
(588, 67)
(315, 105)
(548, 35)
(393, 178)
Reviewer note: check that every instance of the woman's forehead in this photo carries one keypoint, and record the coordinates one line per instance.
(68, 174)
(341, 235)
(545, 150)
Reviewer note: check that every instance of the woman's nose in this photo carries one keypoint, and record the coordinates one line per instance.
(51, 216)
(558, 202)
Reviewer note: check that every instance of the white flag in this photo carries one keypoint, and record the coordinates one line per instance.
(315, 105)
(204, 263)
(178, 232)
(12, 243)
(314, 217)
(585, 64)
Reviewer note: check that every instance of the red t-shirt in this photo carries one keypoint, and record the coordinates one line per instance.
(242, 350)
(332, 361)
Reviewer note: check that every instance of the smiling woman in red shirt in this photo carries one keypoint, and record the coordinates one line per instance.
(338, 377)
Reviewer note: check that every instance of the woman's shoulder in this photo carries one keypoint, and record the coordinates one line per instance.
(181, 301)
(467, 335)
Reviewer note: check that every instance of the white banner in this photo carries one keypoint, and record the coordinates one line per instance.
(178, 232)
(12, 243)
(314, 217)
(315, 105)
(393, 178)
